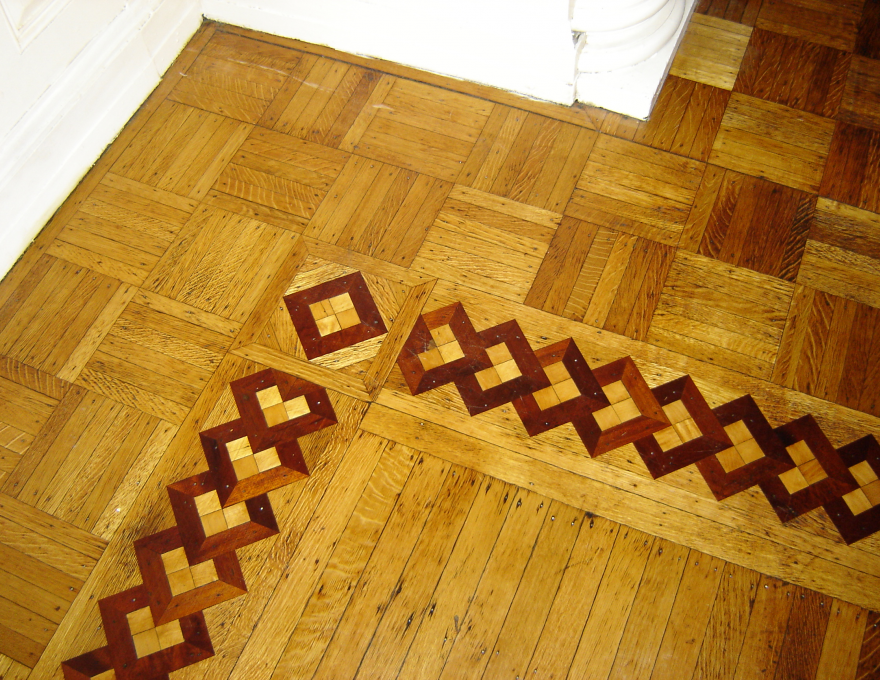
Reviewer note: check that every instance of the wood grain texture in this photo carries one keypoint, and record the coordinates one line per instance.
(853, 167)
(741, 11)
(640, 191)
(773, 141)
(834, 24)
(816, 86)
(711, 51)
(861, 97)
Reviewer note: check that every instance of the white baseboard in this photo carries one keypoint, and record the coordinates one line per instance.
(47, 153)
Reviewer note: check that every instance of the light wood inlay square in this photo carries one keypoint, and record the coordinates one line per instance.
(676, 411)
(508, 370)
(616, 392)
(607, 417)
(667, 439)
(204, 573)
(750, 450)
(857, 501)
(269, 397)
(566, 390)
(451, 352)
(294, 408)
(864, 473)
(499, 353)
(800, 452)
(266, 460)
(793, 480)
(546, 398)
(488, 378)
(245, 467)
(730, 459)
(626, 410)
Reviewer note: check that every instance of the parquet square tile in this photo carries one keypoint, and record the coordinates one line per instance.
(236, 77)
(320, 100)
(750, 222)
(322, 329)
(180, 150)
(379, 210)
(528, 158)
(416, 127)
(685, 119)
(842, 255)
(208, 530)
(158, 356)
(174, 588)
(485, 241)
(815, 86)
(820, 477)
(861, 97)
(868, 38)
(756, 454)
(123, 229)
(277, 179)
(834, 24)
(773, 141)
(694, 432)
(726, 315)
(852, 173)
(139, 648)
(44, 322)
(830, 350)
(221, 263)
(740, 11)
(640, 191)
(513, 370)
(711, 51)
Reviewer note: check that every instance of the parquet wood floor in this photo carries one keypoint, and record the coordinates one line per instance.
(734, 237)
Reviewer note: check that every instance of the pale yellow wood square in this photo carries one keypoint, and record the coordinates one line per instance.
(738, 432)
(266, 460)
(793, 480)
(442, 335)
(296, 407)
(800, 452)
(567, 390)
(730, 459)
(239, 448)
(175, 560)
(207, 503)
(750, 450)
(857, 501)
(321, 310)
(245, 467)
(340, 303)
(616, 392)
(711, 51)
(214, 523)
(676, 411)
(348, 318)
(498, 354)
(140, 620)
(236, 514)
(872, 491)
(431, 359)
(626, 410)
(546, 398)
(488, 378)
(557, 373)
(204, 573)
(180, 582)
(688, 430)
(667, 439)
(269, 397)
(328, 325)
(813, 471)
(451, 351)
(169, 634)
(146, 643)
(606, 418)
(275, 415)
(508, 370)
(864, 473)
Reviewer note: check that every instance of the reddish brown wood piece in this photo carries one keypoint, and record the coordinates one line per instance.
(166, 606)
(713, 440)
(196, 643)
(774, 461)
(851, 526)
(315, 345)
(91, 664)
(838, 481)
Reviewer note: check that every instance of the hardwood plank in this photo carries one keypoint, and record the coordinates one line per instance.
(740, 11)
(826, 23)
(614, 601)
(711, 51)
(766, 631)
(808, 622)
(843, 638)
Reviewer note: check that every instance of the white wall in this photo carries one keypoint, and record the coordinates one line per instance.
(72, 72)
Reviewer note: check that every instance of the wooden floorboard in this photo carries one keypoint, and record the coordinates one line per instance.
(350, 228)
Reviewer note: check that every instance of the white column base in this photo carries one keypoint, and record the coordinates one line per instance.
(633, 90)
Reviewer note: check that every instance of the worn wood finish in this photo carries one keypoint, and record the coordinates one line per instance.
(464, 530)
